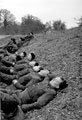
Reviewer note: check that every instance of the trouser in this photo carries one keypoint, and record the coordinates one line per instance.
(10, 108)
(7, 78)
(24, 79)
(7, 63)
(29, 79)
(18, 115)
(23, 72)
(19, 67)
(21, 62)
(5, 69)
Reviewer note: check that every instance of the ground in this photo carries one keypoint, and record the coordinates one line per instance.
(61, 53)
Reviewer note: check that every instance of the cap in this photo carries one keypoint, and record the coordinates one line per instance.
(55, 82)
(43, 72)
(36, 68)
(32, 63)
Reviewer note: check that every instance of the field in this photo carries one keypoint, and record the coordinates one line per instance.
(61, 53)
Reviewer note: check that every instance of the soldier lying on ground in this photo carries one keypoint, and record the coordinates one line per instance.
(22, 40)
(4, 66)
(12, 73)
(30, 36)
(10, 108)
(27, 37)
(5, 73)
(5, 62)
(16, 57)
(35, 96)
(30, 79)
(25, 79)
(5, 78)
(11, 48)
(5, 69)
(13, 40)
(20, 56)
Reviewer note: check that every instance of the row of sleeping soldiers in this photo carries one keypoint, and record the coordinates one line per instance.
(30, 86)
(13, 45)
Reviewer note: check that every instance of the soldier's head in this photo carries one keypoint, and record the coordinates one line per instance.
(37, 68)
(31, 56)
(58, 83)
(14, 40)
(31, 33)
(33, 63)
(43, 72)
(9, 107)
(22, 39)
(12, 49)
(22, 54)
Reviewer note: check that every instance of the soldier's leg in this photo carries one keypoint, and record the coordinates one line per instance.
(19, 67)
(7, 78)
(7, 63)
(24, 96)
(5, 69)
(33, 81)
(23, 72)
(25, 79)
(21, 62)
(19, 115)
(10, 107)
(11, 87)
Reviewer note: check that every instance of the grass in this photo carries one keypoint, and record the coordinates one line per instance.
(60, 52)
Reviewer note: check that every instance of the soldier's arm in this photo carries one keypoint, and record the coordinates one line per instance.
(7, 91)
(33, 81)
(18, 85)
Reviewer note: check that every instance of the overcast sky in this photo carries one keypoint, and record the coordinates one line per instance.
(45, 10)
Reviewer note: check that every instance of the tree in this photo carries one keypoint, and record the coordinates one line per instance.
(31, 23)
(6, 18)
(47, 26)
(59, 25)
(79, 21)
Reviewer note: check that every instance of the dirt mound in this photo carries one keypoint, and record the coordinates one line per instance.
(61, 53)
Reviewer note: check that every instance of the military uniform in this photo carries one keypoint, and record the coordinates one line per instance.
(35, 96)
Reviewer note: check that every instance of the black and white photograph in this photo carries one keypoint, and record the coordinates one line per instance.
(40, 59)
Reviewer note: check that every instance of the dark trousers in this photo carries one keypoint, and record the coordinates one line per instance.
(7, 78)
(5, 69)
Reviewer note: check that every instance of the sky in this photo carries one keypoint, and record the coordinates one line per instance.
(46, 10)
